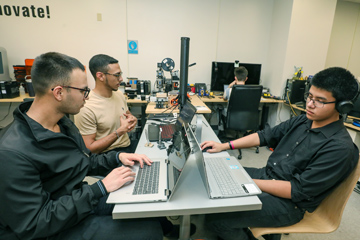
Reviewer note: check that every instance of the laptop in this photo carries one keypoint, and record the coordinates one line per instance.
(167, 130)
(163, 175)
(223, 177)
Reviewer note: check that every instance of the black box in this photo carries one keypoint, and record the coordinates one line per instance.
(294, 91)
(9, 89)
(143, 87)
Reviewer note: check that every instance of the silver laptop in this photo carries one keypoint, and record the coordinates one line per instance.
(156, 182)
(223, 177)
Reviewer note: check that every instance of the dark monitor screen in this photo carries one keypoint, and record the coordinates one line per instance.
(222, 73)
(356, 110)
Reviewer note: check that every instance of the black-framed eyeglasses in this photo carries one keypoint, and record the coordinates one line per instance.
(85, 90)
(118, 75)
(317, 103)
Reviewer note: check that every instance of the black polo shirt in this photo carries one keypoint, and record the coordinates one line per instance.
(315, 161)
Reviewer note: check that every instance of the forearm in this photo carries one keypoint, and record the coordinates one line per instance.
(101, 144)
(251, 140)
(277, 188)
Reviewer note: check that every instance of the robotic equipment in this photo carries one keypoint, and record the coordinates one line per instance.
(162, 83)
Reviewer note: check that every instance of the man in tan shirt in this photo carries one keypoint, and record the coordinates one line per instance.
(105, 120)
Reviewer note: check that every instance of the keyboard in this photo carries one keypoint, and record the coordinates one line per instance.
(223, 177)
(147, 180)
(167, 131)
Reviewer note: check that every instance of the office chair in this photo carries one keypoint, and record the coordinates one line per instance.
(243, 110)
(327, 216)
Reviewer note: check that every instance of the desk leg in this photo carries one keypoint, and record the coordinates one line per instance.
(264, 116)
(185, 228)
(143, 116)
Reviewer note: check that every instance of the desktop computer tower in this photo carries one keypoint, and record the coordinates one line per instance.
(294, 91)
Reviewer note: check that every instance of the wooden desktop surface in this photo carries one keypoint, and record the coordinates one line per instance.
(195, 100)
(26, 95)
(220, 99)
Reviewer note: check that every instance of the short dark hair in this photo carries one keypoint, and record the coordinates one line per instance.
(52, 69)
(240, 73)
(339, 81)
(100, 63)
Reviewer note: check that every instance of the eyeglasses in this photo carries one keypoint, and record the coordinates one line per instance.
(118, 75)
(85, 90)
(316, 103)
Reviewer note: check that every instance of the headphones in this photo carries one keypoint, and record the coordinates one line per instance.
(344, 107)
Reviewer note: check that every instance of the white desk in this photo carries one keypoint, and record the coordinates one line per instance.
(190, 196)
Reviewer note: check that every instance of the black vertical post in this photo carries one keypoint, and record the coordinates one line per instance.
(184, 67)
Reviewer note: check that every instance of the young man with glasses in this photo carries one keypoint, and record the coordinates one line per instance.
(313, 154)
(44, 161)
(105, 120)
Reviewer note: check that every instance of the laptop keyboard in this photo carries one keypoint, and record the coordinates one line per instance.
(167, 131)
(147, 180)
(223, 178)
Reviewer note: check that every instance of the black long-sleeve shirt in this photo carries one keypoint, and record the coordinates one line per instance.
(315, 161)
(41, 177)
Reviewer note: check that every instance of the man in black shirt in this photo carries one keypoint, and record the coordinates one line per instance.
(44, 161)
(313, 154)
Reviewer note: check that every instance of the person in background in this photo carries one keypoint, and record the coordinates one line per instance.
(105, 120)
(241, 74)
(44, 161)
(240, 79)
(313, 154)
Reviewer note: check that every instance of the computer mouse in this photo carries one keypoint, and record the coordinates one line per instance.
(205, 149)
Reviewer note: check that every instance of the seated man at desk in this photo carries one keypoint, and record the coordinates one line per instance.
(105, 120)
(240, 79)
(44, 161)
(241, 74)
(313, 154)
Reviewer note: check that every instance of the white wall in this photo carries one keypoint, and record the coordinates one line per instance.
(276, 33)
(344, 48)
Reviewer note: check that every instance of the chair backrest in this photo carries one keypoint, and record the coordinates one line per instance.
(327, 216)
(243, 107)
(332, 207)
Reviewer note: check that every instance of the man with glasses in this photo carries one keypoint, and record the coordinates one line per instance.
(313, 154)
(44, 161)
(105, 120)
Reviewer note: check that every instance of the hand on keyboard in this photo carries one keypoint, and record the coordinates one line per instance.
(117, 178)
(129, 159)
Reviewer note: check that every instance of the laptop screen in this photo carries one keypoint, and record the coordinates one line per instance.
(178, 153)
(186, 114)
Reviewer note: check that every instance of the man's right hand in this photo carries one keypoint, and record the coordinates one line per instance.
(215, 146)
(125, 124)
(117, 178)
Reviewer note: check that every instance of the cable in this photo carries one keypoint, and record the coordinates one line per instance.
(7, 114)
(292, 109)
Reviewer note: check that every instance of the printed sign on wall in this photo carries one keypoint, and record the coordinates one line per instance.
(133, 47)
(24, 11)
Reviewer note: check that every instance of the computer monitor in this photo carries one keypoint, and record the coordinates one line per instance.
(355, 112)
(222, 73)
(4, 66)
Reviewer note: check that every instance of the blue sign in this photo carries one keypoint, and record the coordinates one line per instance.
(133, 47)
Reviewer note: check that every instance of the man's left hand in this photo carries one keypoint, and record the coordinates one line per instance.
(129, 159)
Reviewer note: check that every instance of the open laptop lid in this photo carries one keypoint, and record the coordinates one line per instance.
(196, 150)
(178, 154)
(186, 115)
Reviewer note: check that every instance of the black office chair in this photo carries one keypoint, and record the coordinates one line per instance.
(243, 110)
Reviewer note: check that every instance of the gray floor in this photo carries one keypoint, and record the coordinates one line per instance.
(350, 224)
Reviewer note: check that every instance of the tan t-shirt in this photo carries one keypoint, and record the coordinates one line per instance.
(101, 115)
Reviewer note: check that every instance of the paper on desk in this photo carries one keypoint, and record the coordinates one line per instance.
(201, 108)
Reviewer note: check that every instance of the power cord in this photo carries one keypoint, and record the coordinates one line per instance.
(7, 114)
(292, 109)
